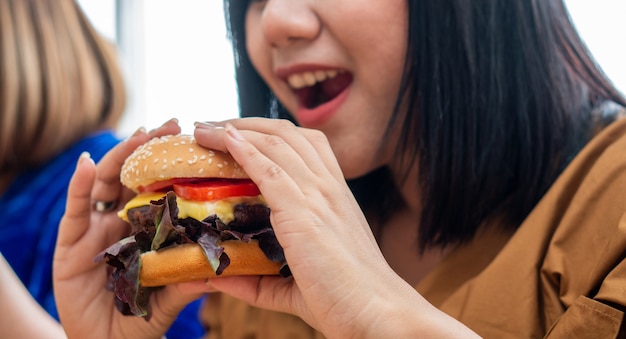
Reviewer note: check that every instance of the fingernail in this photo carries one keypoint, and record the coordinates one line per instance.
(204, 125)
(233, 132)
(85, 156)
(140, 130)
(172, 120)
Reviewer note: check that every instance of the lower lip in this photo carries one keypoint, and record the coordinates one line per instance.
(321, 114)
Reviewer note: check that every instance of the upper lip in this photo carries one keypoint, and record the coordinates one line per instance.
(306, 75)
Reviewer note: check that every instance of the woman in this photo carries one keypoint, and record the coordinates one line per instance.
(482, 143)
(62, 94)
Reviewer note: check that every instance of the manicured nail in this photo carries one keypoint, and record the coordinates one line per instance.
(172, 120)
(140, 130)
(85, 156)
(204, 125)
(233, 132)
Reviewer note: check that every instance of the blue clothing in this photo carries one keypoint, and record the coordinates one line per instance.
(32, 207)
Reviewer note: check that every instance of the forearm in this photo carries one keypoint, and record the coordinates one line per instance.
(401, 312)
(22, 317)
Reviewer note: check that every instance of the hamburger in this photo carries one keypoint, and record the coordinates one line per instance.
(197, 215)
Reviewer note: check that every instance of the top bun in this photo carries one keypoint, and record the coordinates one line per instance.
(176, 156)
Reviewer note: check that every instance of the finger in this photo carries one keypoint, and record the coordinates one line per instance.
(273, 138)
(75, 221)
(287, 191)
(268, 292)
(170, 301)
(77, 239)
(319, 141)
(269, 176)
(108, 187)
(170, 127)
(279, 127)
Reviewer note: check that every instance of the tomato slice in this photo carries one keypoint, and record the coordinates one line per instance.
(216, 189)
(161, 186)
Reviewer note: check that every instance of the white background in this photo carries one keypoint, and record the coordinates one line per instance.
(178, 61)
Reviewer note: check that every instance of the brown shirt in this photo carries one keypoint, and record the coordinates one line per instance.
(562, 274)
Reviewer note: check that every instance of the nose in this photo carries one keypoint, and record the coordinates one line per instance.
(288, 21)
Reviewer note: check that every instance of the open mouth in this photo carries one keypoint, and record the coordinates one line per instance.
(316, 88)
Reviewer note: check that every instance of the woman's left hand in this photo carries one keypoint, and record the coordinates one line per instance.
(86, 308)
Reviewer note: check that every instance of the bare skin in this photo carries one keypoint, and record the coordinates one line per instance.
(398, 245)
(20, 311)
(346, 290)
(83, 234)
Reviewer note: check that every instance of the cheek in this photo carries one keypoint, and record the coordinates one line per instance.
(260, 54)
(355, 145)
(254, 44)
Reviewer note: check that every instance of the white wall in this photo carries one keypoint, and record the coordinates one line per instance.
(178, 62)
(601, 24)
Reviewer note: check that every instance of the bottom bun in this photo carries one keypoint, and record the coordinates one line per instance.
(188, 263)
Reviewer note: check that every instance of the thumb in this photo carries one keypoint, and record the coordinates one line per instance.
(170, 301)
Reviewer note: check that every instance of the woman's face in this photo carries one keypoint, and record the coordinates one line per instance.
(336, 65)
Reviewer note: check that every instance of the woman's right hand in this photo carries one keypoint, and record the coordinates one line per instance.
(342, 284)
(86, 308)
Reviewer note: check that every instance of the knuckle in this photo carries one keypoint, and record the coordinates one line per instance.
(274, 140)
(274, 171)
(316, 136)
(285, 124)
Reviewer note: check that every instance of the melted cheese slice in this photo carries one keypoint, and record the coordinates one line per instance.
(224, 209)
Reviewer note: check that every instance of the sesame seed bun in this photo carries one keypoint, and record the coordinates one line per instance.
(176, 156)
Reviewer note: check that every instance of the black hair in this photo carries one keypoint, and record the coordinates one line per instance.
(500, 97)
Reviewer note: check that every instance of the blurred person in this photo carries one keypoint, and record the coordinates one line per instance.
(456, 169)
(61, 94)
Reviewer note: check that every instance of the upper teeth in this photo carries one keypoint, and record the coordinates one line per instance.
(305, 79)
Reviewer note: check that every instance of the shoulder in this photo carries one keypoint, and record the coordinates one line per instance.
(581, 221)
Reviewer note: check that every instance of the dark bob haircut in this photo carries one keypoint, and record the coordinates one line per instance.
(501, 95)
